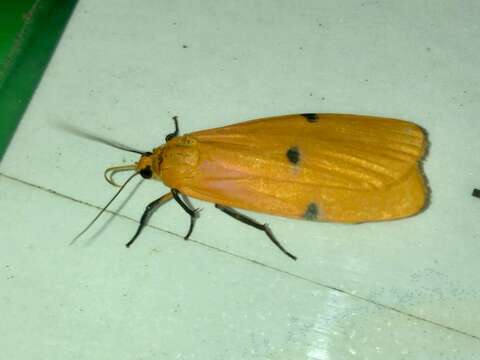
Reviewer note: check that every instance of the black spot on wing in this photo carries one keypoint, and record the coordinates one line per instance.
(293, 155)
(310, 117)
(312, 212)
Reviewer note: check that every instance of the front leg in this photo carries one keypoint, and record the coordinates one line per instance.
(149, 210)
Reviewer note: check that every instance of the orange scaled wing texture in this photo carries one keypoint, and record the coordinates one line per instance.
(326, 167)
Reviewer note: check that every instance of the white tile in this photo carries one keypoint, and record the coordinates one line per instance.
(167, 299)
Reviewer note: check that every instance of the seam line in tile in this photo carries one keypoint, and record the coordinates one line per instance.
(270, 267)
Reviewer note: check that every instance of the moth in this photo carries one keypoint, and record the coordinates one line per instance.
(318, 167)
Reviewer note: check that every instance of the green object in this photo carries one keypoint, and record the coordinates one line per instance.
(29, 32)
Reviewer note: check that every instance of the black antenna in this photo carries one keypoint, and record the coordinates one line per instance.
(88, 135)
(103, 210)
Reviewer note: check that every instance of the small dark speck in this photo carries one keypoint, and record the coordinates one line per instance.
(184, 46)
(301, 47)
(310, 117)
(323, 98)
(293, 155)
(428, 48)
(311, 94)
(312, 212)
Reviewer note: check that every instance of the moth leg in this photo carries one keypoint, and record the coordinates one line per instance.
(149, 210)
(175, 133)
(249, 221)
(188, 209)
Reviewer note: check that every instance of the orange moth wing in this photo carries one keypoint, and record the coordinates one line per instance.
(326, 167)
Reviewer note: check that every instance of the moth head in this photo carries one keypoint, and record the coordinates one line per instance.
(149, 164)
(144, 165)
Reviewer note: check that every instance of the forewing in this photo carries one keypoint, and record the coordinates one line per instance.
(297, 165)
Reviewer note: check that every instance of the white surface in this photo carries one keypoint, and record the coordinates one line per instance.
(403, 289)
